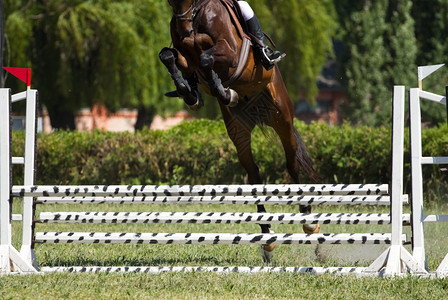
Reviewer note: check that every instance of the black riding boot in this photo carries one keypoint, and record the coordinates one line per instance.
(267, 56)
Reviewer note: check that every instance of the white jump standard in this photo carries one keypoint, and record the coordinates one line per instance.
(10, 259)
(416, 95)
(395, 261)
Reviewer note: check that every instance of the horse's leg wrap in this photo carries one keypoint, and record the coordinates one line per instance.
(191, 96)
(168, 57)
(195, 96)
(226, 96)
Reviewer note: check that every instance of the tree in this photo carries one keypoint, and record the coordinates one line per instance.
(380, 51)
(85, 52)
(304, 30)
(431, 29)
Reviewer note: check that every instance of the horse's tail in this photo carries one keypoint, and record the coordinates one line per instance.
(304, 159)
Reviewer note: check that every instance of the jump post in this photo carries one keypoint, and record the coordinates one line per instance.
(10, 259)
(416, 95)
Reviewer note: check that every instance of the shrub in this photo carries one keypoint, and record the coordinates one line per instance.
(200, 152)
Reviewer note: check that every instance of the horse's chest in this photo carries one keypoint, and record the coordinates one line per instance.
(197, 43)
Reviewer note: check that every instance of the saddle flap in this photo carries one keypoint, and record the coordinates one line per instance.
(237, 17)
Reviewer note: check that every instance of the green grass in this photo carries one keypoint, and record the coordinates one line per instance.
(215, 286)
(221, 286)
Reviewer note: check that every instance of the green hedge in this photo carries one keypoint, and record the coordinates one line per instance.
(200, 152)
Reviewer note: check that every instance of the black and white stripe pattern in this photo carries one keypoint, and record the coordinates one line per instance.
(368, 194)
(211, 238)
(245, 200)
(201, 190)
(217, 218)
(359, 271)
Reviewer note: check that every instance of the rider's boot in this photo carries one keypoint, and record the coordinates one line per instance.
(268, 56)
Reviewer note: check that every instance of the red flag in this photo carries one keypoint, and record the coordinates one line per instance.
(23, 74)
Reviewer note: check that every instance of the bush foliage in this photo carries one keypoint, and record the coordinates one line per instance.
(200, 152)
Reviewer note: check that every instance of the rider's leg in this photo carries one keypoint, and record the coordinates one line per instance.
(246, 10)
(268, 56)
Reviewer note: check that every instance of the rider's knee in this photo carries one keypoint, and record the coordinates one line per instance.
(246, 10)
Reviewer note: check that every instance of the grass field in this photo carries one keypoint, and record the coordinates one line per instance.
(220, 286)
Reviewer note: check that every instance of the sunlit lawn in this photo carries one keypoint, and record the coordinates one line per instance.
(213, 285)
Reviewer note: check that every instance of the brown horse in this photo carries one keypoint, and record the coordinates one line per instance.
(210, 49)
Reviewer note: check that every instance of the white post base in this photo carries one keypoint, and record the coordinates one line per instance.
(419, 255)
(397, 261)
(442, 270)
(12, 262)
(29, 255)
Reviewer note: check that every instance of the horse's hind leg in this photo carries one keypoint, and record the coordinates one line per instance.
(227, 97)
(294, 153)
(239, 132)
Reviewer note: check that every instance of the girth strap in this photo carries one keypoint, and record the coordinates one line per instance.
(244, 54)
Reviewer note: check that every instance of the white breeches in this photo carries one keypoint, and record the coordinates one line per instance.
(247, 11)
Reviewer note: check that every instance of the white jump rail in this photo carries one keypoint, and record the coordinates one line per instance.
(218, 218)
(353, 194)
(200, 190)
(359, 271)
(200, 194)
(213, 238)
(262, 200)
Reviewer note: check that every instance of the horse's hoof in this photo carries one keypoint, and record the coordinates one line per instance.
(269, 248)
(310, 229)
(233, 98)
(199, 102)
(196, 106)
(265, 255)
(266, 251)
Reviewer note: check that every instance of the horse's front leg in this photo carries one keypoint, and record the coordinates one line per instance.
(227, 96)
(188, 91)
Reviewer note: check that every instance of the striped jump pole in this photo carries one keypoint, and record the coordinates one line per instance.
(358, 271)
(243, 200)
(212, 238)
(218, 218)
(199, 190)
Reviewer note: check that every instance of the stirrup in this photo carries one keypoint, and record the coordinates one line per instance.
(267, 56)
